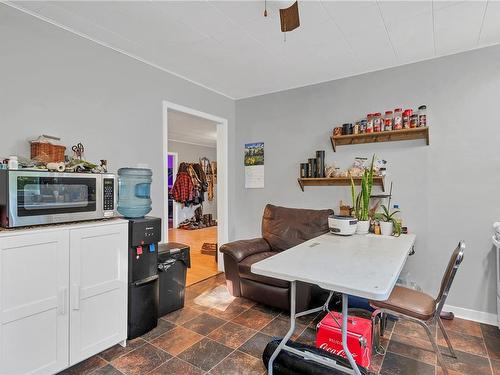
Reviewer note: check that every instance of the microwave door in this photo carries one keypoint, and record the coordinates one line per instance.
(43, 198)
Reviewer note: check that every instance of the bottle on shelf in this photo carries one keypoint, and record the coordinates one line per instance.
(388, 119)
(406, 118)
(422, 116)
(369, 123)
(398, 119)
(377, 122)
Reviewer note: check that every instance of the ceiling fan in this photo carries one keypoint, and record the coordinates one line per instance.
(289, 17)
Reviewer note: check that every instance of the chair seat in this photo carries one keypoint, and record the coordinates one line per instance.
(244, 269)
(408, 302)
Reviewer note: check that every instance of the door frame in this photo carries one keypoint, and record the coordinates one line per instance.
(175, 205)
(222, 172)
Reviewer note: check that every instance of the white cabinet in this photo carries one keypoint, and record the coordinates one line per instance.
(63, 295)
(98, 269)
(34, 323)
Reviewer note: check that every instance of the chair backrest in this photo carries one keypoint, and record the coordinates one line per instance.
(284, 227)
(449, 275)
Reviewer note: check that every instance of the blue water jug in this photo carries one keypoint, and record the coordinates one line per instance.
(134, 192)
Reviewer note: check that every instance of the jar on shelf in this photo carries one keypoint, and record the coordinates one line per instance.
(398, 119)
(347, 129)
(369, 123)
(355, 129)
(377, 122)
(422, 116)
(362, 126)
(388, 119)
(413, 121)
(406, 118)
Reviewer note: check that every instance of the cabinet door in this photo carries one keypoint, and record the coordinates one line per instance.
(34, 322)
(98, 289)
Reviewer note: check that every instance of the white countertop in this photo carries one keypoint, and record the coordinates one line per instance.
(7, 232)
(361, 265)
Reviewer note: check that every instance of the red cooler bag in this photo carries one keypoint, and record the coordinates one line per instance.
(359, 337)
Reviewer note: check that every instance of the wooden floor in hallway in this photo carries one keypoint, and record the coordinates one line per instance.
(202, 266)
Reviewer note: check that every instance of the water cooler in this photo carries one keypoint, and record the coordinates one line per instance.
(143, 289)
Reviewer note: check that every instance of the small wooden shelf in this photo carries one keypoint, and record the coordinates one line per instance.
(389, 136)
(337, 181)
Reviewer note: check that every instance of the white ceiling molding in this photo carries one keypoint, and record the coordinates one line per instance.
(230, 48)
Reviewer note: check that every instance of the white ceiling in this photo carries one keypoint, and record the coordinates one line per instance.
(229, 47)
(183, 127)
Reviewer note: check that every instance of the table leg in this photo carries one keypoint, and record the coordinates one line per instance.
(345, 311)
(293, 291)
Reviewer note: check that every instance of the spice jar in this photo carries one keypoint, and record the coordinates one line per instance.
(398, 119)
(337, 131)
(304, 170)
(362, 126)
(346, 129)
(388, 118)
(413, 121)
(369, 123)
(422, 116)
(377, 122)
(406, 118)
(356, 128)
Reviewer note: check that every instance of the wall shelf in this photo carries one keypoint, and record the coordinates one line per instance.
(337, 181)
(389, 136)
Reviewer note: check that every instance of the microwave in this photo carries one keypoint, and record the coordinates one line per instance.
(31, 197)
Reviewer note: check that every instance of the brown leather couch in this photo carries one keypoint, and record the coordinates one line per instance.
(282, 228)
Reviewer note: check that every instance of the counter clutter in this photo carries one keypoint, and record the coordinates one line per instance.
(363, 216)
(48, 154)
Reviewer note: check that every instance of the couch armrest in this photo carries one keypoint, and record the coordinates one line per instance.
(239, 250)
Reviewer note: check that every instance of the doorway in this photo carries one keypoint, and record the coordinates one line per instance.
(197, 141)
(172, 163)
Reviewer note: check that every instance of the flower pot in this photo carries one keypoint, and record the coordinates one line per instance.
(386, 228)
(363, 227)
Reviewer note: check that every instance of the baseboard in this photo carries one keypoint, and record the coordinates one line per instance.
(477, 316)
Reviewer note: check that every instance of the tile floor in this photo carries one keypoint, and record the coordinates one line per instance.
(199, 340)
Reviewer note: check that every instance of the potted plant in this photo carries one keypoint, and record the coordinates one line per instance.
(361, 201)
(389, 225)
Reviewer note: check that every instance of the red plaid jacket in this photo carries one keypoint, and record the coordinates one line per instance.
(182, 191)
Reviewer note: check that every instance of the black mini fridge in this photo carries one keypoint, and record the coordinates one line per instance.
(144, 235)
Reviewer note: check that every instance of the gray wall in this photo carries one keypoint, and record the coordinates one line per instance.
(190, 153)
(57, 83)
(447, 191)
(54, 82)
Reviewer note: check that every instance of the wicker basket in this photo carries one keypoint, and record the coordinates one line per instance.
(47, 152)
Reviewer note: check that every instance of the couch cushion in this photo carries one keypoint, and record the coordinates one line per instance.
(284, 227)
(246, 273)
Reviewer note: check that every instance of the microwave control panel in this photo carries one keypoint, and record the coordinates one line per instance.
(109, 194)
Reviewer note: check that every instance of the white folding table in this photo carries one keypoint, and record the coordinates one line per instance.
(361, 265)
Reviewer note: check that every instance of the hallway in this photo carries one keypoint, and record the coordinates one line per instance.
(202, 266)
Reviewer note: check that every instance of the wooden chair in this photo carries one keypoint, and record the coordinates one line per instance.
(421, 308)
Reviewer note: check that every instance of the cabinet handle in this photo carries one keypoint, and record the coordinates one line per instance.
(76, 297)
(63, 300)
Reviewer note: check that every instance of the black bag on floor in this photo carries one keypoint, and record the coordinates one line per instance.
(290, 364)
